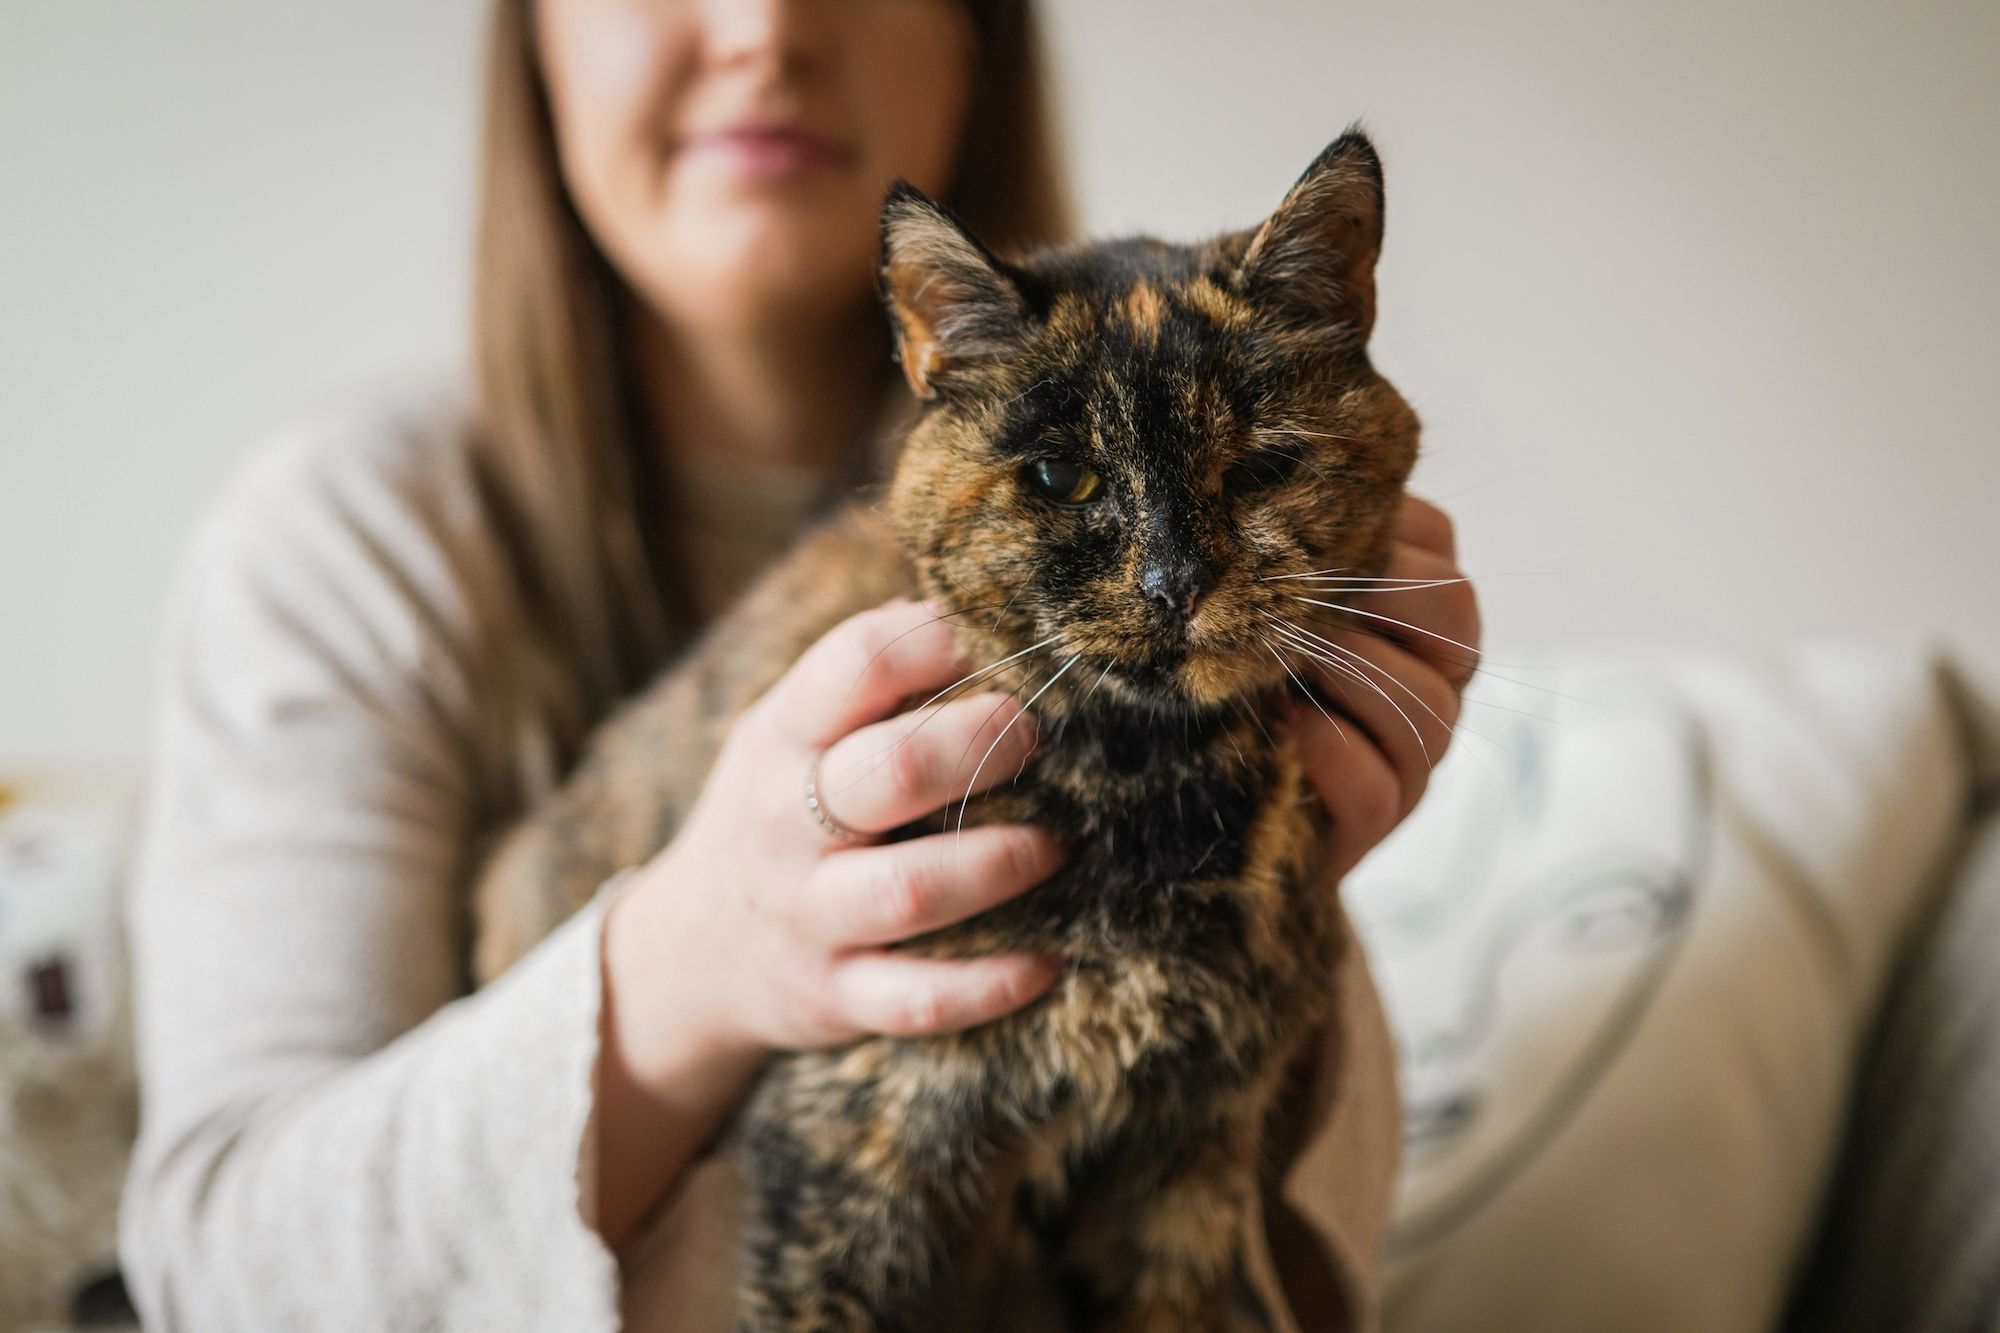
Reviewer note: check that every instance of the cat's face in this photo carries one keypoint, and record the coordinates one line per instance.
(1126, 448)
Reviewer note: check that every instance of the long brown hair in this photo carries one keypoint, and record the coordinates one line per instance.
(556, 405)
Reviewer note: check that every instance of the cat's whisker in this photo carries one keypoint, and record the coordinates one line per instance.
(1310, 697)
(985, 670)
(944, 616)
(953, 613)
(1063, 730)
(1349, 673)
(1352, 674)
(1330, 619)
(1308, 574)
(1480, 663)
(957, 583)
(1458, 728)
(1326, 660)
(1230, 737)
(1251, 713)
(1504, 573)
(1358, 587)
(1355, 584)
(1331, 577)
(1003, 607)
(1351, 590)
(1391, 620)
(1094, 684)
(882, 756)
(1008, 605)
(1388, 675)
(958, 765)
(1060, 673)
(1040, 383)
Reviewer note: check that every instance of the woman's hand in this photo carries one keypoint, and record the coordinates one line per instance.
(756, 930)
(776, 931)
(1372, 758)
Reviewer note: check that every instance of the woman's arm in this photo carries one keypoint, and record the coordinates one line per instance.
(330, 1139)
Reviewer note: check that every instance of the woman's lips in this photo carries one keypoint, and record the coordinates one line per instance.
(768, 153)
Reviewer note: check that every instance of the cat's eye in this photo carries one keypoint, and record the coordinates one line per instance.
(1065, 483)
(1259, 471)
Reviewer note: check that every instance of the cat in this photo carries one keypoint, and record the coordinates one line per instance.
(1123, 448)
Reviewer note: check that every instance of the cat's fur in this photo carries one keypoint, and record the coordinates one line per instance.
(1224, 394)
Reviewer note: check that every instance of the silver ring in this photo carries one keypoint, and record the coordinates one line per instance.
(817, 808)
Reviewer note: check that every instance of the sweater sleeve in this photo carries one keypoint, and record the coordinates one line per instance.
(333, 1136)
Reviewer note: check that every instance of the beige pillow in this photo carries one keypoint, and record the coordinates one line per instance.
(1629, 944)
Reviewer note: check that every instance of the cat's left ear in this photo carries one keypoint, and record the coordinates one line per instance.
(951, 301)
(1314, 259)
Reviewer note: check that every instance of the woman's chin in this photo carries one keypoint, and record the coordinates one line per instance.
(760, 261)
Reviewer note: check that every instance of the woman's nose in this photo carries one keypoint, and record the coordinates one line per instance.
(778, 32)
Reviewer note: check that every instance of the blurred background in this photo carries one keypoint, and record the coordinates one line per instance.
(1700, 302)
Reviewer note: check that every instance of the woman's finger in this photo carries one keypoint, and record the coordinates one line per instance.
(902, 996)
(879, 895)
(885, 775)
(1422, 524)
(862, 670)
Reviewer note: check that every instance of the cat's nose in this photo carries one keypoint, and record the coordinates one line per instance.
(1176, 585)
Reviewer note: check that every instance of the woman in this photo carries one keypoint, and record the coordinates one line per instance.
(399, 625)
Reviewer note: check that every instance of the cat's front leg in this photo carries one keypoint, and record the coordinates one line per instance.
(867, 1171)
(1161, 1245)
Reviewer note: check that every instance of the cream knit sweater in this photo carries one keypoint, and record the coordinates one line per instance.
(334, 1135)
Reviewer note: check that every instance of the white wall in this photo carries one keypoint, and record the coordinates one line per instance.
(1701, 300)
(1706, 295)
(212, 213)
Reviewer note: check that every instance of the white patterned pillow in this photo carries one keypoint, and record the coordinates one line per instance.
(1629, 945)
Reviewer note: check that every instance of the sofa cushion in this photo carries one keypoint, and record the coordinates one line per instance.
(1630, 944)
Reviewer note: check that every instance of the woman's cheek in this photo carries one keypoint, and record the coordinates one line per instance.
(609, 68)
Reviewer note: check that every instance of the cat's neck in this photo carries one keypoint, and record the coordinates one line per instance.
(1092, 715)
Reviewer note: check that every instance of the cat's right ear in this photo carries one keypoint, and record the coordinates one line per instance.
(1314, 259)
(951, 302)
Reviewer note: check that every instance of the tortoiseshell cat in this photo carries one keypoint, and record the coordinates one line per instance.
(1121, 444)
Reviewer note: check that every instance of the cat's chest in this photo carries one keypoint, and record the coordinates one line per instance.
(1184, 816)
(1175, 834)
